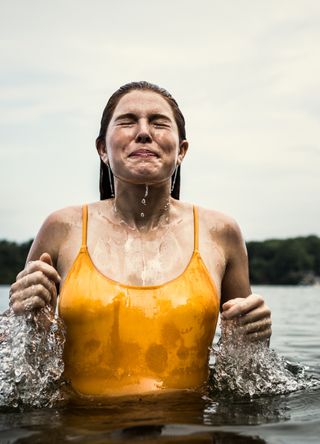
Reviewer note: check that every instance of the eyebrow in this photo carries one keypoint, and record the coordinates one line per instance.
(159, 116)
(132, 116)
(126, 116)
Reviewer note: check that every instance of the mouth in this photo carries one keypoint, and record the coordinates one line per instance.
(142, 152)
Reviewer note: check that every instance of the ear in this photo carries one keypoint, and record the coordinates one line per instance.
(102, 150)
(182, 151)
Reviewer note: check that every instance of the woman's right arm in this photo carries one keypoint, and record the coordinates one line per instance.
(35, 285)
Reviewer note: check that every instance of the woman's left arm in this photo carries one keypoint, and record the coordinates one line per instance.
(237, 301)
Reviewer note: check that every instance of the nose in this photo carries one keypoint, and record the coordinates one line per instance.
(143, 134)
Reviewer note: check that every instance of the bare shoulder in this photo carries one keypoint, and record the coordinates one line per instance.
(64, 219)
(220, 222)
(54, 231)
(221, 227)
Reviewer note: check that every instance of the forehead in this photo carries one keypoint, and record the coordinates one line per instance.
(143, 103)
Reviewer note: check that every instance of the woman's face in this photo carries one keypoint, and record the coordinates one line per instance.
(142, 140)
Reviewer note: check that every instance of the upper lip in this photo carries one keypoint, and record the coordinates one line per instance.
(143, 151)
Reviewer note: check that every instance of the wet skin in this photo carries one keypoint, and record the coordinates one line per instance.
(142, 147)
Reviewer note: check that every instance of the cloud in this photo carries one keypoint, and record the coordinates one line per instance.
(246, 75)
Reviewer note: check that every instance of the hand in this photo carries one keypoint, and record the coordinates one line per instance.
(35, 286)
(252, 314)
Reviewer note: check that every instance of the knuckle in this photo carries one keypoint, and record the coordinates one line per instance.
(24, 281)
(33, 264)
(17, 307)
(244, 304)
(268, 311)
(39, 275)
(19, 275)
(12, 287)
(16, 296)
(39, 301)
(37, 288)
(259, 299)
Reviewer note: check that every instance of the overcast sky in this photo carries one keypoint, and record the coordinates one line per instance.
(246, 74)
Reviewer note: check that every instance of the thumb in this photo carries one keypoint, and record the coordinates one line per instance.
(45, 257)
(228, 304)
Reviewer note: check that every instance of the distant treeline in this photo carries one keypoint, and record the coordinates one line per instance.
(12, 259)
(285, 262)
(276, 261)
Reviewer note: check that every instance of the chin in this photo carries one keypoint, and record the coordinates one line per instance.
(143, 178)
(140, 175)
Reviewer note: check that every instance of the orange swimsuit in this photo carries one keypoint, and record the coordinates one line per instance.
(124, 339)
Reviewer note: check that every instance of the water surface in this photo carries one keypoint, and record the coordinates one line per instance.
(189, 417)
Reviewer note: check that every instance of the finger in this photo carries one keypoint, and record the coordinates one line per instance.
(46, 269)
(20, 307)
(45, 257)
(256, 327)
(242, 306)
(260, 336)
(252, 299)
(262, 312)
(34, 302)
(17, 307)
(230, 303)
(34, 290)
(37, 277)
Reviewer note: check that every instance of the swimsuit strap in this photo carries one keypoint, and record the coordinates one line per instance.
(196, 228)
(84, 227)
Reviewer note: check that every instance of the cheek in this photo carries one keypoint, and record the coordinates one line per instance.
(117, 140)
(168, 142)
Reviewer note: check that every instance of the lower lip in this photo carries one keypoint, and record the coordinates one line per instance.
(144, 155)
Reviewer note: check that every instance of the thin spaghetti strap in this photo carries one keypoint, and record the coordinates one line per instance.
(84, 227)
(196, 228)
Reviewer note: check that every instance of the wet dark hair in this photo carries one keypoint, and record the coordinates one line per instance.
(105, 189)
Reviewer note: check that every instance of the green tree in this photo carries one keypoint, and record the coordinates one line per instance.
(12, 259)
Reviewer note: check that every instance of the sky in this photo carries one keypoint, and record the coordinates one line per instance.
(246, 74)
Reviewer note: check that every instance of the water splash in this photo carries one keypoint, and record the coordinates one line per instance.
(31, 354)
(144, 199)
(250, 369)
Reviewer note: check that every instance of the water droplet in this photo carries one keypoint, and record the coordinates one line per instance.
(147, 191)
(142, 214)
(143, 201)
(167, 205)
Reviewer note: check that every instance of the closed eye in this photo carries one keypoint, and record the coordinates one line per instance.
(127, 119)
(159, 124)
(126, 123)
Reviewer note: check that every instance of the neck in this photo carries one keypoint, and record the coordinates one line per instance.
(142, 207)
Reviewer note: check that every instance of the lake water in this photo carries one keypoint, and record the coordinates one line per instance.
(188, 417)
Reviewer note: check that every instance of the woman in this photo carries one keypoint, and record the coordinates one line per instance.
(142, 275)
